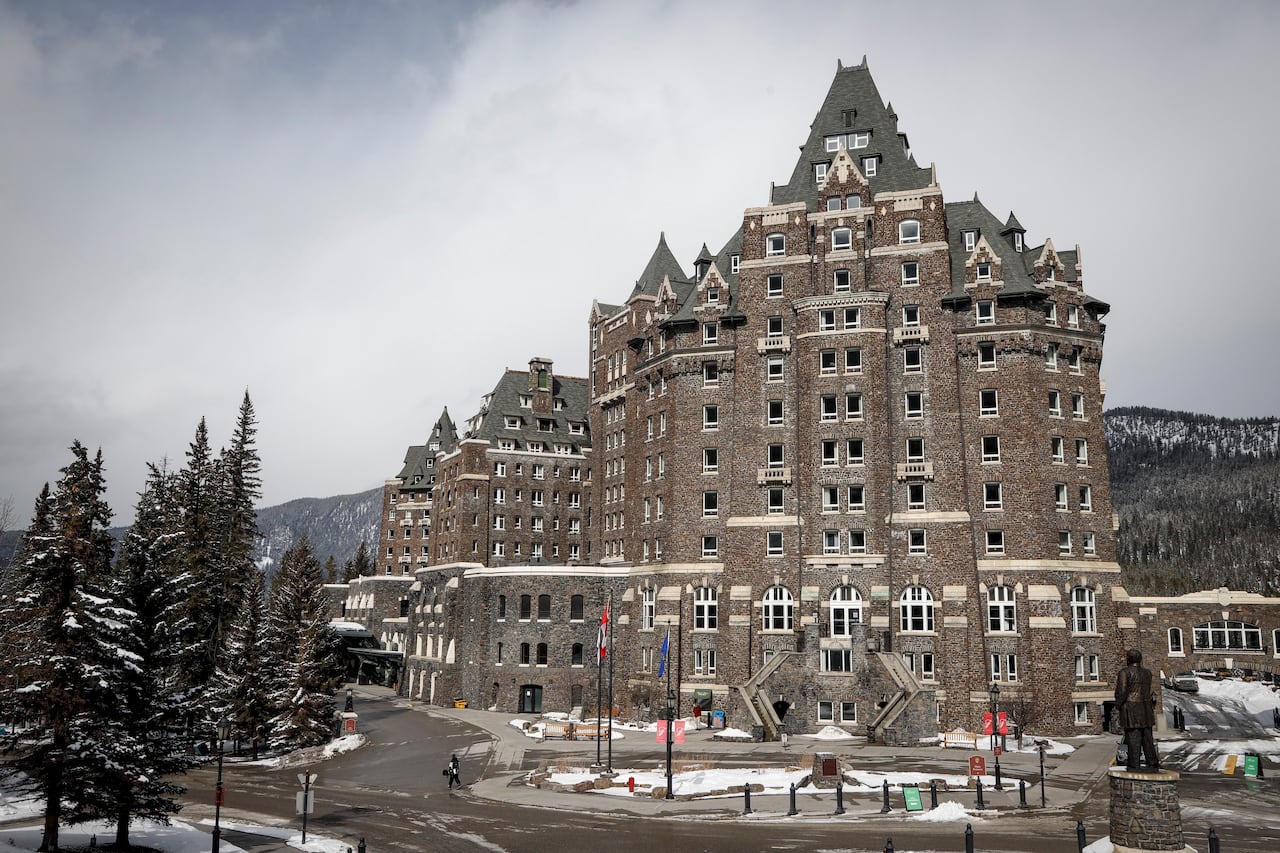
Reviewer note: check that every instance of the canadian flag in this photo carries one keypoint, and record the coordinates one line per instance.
(602, 638)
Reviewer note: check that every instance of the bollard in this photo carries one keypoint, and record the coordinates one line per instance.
(886, 809)
(981, 803)
(1080, 841)
(999, 786)
(791, 812)
(1213, 840)
(839, 798)
(93, 840)
(1022, 793)
(933, 795)
(361, 846)
(631, 784)
(746, 799)
(968, 838)
(888, 845)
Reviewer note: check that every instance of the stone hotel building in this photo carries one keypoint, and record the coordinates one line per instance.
(854, 461)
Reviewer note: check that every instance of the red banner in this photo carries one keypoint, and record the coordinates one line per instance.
(1002, 723)
(986, 723)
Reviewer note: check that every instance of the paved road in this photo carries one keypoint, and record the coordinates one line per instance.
(391, 793)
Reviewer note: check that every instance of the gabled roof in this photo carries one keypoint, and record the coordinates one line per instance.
(504, 401)
(853, 104)
(419, 459)
(662, 264)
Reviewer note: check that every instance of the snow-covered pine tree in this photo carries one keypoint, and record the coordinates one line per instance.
(67, 651)
(198, 501)
(249, 669)
(150, 576)
(309, 649)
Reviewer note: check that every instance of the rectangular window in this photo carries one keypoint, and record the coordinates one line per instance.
(1057, 449)
(986, 356)
(841, 282)
(916, 542)
(1064, 542)
(775, 245)
(853, 318)
(710, 373)
(773, 326)
(1073, 361)
(774, 412)
(1082, 451)
(984, 272)
(710, 546)
(927, 671)
(912, 360)
(1060, 496)
(841, 239)
(710, 460)
(773, 368)
(827, 362)
(1089, 543)
(829, 454)
(915, 496)
(853, 360)
(826, 711)
(854, 451)
(988, 402)
(1051, 357)
(910, 274)
(995, 541)
(837, 660)
(710, 504)
(991, 448)
(970, 240)
(1055, 403)
(710, 417)
(709, 333)
(831, 541)
(820, 172)
(857, 541)
(848, 712)
(773, 285)
(774, 456)
(914, 401)
(852, 406)
(775, 499)
(992, 496)
(869, 166)
(826, 320)
(857, 497)
(1086, 498)
(1073, 316)
(911, 316)
(1077, 406)
(1081, 710)
(773, 543)
(915, 449)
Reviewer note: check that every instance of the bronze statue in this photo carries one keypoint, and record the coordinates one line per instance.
(1136, 710)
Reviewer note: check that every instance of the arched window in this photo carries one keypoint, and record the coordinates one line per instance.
(1228, 635)
(909, 231)
(1001, 612)
(705, 608)
(777, 610)
(526, 607)
(524, 653)
(916, 609)
(648, 602)
(502, 607)
(1175, 641)
(846, 610)
(575, 608)
(1084, 611)
(542, 654)
(576, 658)
(544, 606)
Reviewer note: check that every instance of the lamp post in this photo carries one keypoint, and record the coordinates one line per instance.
(224, 732)
(671, 724)
(995, 726)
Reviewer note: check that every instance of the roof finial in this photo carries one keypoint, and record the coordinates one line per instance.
(864, 60)
(839, 65)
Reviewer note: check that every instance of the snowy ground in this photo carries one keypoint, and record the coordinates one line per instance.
(178, 837)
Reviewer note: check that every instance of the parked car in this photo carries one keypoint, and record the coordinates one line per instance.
(1184, 682)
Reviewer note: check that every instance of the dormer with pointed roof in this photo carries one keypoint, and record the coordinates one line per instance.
(662, 264)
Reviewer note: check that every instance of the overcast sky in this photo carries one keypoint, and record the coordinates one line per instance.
(362, 212)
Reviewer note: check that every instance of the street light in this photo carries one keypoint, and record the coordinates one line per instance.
(224, 732)
(995, 725)
(671, 723)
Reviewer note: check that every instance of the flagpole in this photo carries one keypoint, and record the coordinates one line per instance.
(671, 717)
(599, 688)
(610, 654)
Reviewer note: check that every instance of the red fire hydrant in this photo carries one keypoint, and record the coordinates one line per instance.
(631, 784)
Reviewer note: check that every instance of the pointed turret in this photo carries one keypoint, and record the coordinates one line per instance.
(662, 264)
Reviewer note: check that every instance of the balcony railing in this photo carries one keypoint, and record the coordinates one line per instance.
(911, 334)
(773, 476)
(915, 471)
(774, 343)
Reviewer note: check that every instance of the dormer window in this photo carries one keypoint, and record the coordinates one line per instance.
(870, 166)
(859, 139)
(1049, 273)
(1017, 242)
(713, 295)
(734, 261)
(909, 231)
(526, 402)
(820, 172)
(775, 244)
(841, 239)
(984, 272)
(513, 422)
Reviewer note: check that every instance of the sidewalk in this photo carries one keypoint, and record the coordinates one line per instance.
(1068, 780)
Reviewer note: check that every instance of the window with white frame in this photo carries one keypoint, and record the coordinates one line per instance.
(853, 360)
(1055, 403)
(853, 318)
(710, 546)
(914, 404)
(841, 282)
(1004, 667)
(827, 362)
(988, 403)
(831, 497)
(826, 711)
(775, 500)
(993, 496)
(986, 355)
(775, 244)
(773, 412)
(1073, 360)
(911, 316)
(734, 261)
(773, 371)
(1082, 451)
(710, 504)
(970, 240)
(846, 610)
(1064, 543)
(1084, 612)
(983, 271)
(709, 333)
(710, 373)
(820, 172)
(852, 406)
(1227, 635)
(776, 609)
(773, 287)
(857, 541)
(856, 493)
(704, 661)
(912, 360)
(1001, 610)
(837, 660)
(710, 460)
(916, 609)
(829, 455)
(1175, 641)
(706, 608)
(1051, 313)
(985, 312)
(1086, 498)
(774, 456)
(909, 231)
(1073, 316)
(848, 712)
(831, 541)
(915, 496)
(826, 320)
(1060, 496)
(1077, 406)
(853, 450)
(991, 448)
(870, 165)
(841, 239)
(710, 417)
(773, 543)
(1051, 357)
(995, 541)
(917, 542)
(910, 274)
(1081, 711)
(1089, 543)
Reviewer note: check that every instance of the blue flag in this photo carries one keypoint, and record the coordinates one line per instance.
(666, 644)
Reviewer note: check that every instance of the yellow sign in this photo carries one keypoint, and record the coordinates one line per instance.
(1231, 765)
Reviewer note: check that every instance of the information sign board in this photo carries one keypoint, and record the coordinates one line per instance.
(977, 765)
(911, 795)
(1251, 765)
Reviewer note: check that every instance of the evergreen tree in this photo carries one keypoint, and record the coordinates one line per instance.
(150, 576)
(309, 650)
(66, 646)
(196, 486)
(361, 564)
(249, 669)
(331, 570)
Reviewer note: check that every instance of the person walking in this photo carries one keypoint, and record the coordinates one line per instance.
(452, 772)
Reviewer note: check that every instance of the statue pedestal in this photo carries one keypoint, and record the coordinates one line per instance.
(1145, 814)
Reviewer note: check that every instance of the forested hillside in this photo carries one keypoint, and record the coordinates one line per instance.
(1198, 499)
(335, 526)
